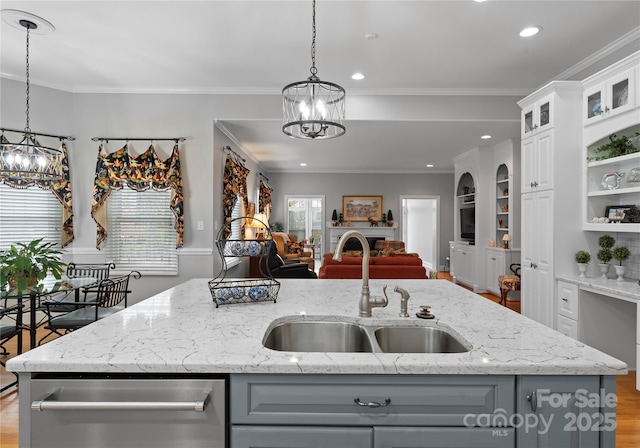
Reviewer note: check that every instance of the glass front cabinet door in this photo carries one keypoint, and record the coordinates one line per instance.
(537, 117)
(611, 97)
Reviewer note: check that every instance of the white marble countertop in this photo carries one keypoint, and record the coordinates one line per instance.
(627, 288)
(181, 331)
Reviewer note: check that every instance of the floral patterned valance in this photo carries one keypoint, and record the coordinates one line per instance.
(140, 173)
(235, 185)
(60, 188)
(264, 201)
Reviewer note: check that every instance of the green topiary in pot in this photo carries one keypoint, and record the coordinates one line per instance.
(621, 253)
(24, 264)
(582, 256)
(606, 241)
(604, 255)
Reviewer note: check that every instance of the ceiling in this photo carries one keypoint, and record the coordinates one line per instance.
(428, 54)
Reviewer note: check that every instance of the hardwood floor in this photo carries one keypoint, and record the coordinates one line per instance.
(628, 410)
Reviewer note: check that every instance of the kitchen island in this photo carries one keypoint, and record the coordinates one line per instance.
(512, 363)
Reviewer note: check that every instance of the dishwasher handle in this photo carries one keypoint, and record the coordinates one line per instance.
(53, 405)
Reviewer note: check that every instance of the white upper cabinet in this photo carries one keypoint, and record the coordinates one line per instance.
(607, 97)
(538, 162)
(537, 117)
(612, 175)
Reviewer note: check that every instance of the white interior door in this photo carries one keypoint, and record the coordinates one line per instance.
(420, 232)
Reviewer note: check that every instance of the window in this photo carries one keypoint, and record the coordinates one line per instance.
(141, 232)
(27, 214)
(305, 218)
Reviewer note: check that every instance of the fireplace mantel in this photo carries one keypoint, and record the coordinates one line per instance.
(335, 232)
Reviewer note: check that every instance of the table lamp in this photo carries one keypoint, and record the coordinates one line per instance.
(506, 238)
(259, 222)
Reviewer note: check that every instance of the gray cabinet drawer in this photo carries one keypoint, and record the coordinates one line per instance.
(409, 437)
(421, 400)
(300, 437)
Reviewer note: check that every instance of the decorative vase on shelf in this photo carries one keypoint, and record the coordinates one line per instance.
(582, 267)
(620, 272)
(604, 270)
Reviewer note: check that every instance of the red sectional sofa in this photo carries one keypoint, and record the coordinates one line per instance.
(397, 266)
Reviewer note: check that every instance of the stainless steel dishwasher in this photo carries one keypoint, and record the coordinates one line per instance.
(126, 411)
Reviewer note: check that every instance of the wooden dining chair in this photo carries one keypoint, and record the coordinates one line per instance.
(110, 297)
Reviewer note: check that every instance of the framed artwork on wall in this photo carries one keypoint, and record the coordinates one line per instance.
(361, 208)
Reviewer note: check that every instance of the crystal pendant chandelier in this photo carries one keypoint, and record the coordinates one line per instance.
(28, 160)
(313, 109)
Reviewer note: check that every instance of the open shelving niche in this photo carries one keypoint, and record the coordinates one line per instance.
(599, 197)
(251, 290)
(502, 203)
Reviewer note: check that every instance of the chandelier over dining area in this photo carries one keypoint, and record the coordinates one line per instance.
(313, 109)
(28, 159)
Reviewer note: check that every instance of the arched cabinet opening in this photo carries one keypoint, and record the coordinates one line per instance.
(502, 204)
(466, 201)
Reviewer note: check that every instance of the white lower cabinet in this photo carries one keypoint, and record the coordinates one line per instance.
(409, 411)
(538, 257)
(498, 262)
(566, 326)
(463, 264)
(567, 304)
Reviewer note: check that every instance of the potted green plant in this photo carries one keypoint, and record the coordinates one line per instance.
(334, 217)
(617, 146)
(604, 255)
(390, 218)
(620, 253)
(24, 264)
(276, 227)
(582, 258)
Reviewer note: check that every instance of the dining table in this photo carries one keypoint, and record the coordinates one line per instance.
(45, 288)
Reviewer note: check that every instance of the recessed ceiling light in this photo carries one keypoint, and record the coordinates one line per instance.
(479, 1)
(530, 31)
(357, 76)
(485, 137)
(429, 165)
(303, 164)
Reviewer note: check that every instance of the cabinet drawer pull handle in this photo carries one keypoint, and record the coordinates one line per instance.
(373, 404)
(53, 405)
(533, 400)
(564, 299)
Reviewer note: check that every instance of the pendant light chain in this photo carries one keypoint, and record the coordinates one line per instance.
(27, 129)
(313, 69)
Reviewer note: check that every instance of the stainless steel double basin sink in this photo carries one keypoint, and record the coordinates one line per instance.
(337, 336)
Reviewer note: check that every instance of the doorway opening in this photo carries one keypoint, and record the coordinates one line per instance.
(305, 219)
(420, 230)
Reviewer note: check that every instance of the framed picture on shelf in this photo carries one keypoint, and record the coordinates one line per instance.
(617, 212)
(361, 208)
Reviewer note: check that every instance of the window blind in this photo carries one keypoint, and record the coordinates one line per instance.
(28, 214)
(141, 232)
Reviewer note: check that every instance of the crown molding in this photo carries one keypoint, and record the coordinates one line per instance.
(614, 46)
